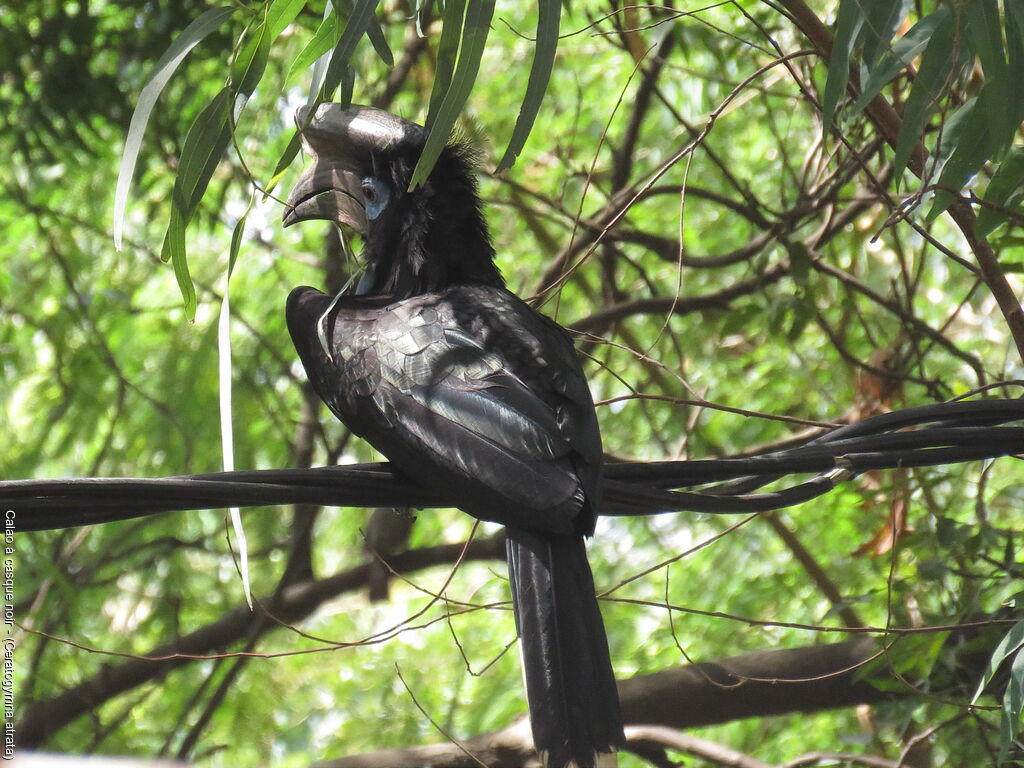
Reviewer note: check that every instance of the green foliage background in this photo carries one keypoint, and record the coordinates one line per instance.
(810, 289)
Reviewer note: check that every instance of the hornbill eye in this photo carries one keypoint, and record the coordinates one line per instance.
(375, 196)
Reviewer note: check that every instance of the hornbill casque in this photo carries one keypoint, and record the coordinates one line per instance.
(467, 390)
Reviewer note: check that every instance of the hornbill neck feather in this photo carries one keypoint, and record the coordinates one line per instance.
(436, 235)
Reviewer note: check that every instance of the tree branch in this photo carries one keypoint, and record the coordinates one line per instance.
(888, 123)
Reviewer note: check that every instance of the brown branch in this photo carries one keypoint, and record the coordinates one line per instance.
(888, 123)
(807, 679)
(817, 574)
(657, 305)
(641, 738)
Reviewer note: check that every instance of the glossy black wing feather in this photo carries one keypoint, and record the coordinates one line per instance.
(447, 408)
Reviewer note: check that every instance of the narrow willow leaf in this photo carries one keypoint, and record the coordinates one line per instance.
(540, 73)
(985, 36)
(952, 130)
(1009, 724)
(1008, 646)
(174, 249)
(206, 23)
(447, 52)
(323, 40)
(380, 42)
(320, 65)
(1014, 23)
(250, 64)
(848, 24)
(375, 34)
(204, 145)
(357, 24)
(283, 162)
(1006, 189)
(972, 146)
(902, 53)
(929, 86)
(281, 14)
(474, 36)
(224, 370)
(881, 18)
(236, 235)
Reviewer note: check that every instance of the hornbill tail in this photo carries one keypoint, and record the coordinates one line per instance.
(570, 686)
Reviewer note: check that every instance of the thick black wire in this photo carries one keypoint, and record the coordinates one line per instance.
(958, 432)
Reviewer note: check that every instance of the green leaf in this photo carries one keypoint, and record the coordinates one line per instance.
(174, 249)
(902, 53)
(1009, 645)
(281, 14)
(1012, 704)
(283, 162)
(1014, 24)
(204, 145)
(375, 34)
(929, 86)
(881, 18)
(325, 38)
(357, 24)
(1006, 189)
(848, 25)
(540, 73)
(249, 65)
(447, 53)
(380, 42)
(206, 23)
(984, 35)
(971, 147)
(236, 236)
(474, 36)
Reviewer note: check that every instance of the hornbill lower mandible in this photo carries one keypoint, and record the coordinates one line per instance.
(468, 391)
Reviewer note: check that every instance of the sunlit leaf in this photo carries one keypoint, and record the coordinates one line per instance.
(248, 67)
(282, 13)
(540, 74)
(204, 146)
(474, 36)
(355, 27)
(380, 42)
(325, 38)
(206, 23)
(174, 249)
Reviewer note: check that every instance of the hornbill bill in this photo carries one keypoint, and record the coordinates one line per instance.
(467, 390)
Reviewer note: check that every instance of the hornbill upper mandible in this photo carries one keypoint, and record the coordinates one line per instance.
(467, 390)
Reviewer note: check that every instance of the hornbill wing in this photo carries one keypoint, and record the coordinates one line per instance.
(450, 411)
(501, 419)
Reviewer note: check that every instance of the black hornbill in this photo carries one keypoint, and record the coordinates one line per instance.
(467, 390)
